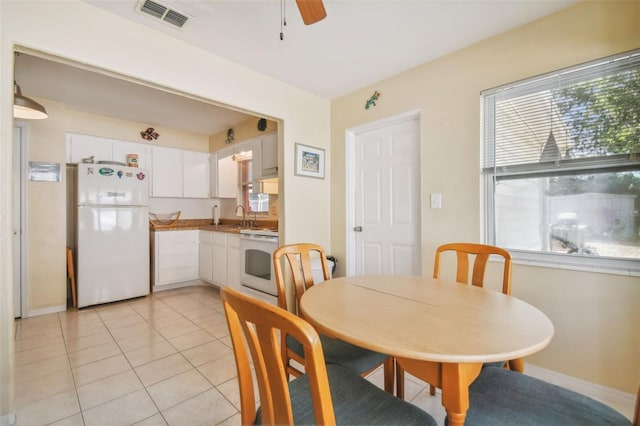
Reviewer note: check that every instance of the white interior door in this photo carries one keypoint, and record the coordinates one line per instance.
(385, 199)
(19, 150)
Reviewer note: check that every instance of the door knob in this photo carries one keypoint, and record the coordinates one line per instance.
(357, 229)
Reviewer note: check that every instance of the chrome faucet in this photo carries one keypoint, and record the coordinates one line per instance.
(244, 220)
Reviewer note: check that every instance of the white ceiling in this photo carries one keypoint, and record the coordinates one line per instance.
(359, 43)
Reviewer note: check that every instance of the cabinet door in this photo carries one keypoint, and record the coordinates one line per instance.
(256, 160)
(196, 174)
(121, 149)
(220, 258)
(227, 178)
(205, 256)
(80, 147)
(233, 261)
(213, 175)
(175, 257)
(167, 176)
(269, 155)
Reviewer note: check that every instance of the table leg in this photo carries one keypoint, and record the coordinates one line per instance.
(456, 379)
(516, 365)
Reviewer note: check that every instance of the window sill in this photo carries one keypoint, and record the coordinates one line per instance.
(583, 263)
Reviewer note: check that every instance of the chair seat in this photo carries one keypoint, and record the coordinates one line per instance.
(498, 364)
(339, 352)
(502, 397)
(356, 401)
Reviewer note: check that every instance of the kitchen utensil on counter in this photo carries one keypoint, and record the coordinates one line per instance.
(163, 220)
(216, 215)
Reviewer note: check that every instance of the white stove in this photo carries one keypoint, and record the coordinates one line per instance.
(259, 232)
(256, 263)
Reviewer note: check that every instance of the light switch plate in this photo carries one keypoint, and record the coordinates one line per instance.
(436, 201)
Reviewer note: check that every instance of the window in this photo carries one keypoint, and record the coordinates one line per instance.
(245, 183)
(252, 201)
(561, 166)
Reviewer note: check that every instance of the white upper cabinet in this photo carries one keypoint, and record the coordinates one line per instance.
(122, 149)
(81, 147)
(196, 170)
(264, 165)
(227, 177)
(213, 175)
(269, 157)
(167, 176)
(265, 156)
(180, 174)
(175, 173)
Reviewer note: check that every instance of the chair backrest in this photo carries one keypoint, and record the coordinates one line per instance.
(298, 257)
(481, 253)
(254, 328)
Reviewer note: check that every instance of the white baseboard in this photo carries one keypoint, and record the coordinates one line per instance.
(621, 401)
(45, 311)
(8, 419)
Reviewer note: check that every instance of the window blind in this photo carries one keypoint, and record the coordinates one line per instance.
(582, 118)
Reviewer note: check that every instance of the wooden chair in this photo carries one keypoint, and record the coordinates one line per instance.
(360, 360)
(481, 254)
(502, 397)
(325, 394)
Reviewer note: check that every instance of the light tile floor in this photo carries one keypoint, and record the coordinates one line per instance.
(164, 359)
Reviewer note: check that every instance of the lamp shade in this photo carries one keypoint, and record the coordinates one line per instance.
(27, 108)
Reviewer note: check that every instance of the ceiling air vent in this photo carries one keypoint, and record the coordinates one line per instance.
(163, 12)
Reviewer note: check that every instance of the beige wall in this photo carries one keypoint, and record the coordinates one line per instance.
(123, 47)
(242, 132)
(596, 317)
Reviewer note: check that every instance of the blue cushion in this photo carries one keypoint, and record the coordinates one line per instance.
(356, 401)
(498, 364)
(342, 353)
(503, 397)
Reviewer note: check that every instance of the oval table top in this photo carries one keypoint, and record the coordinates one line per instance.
(423, 318)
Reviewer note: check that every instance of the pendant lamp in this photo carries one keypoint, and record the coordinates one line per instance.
(27, 108)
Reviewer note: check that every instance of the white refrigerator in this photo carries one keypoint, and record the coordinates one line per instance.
(112, 233)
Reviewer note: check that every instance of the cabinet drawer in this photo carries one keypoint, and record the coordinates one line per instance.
(174, 275)
(178, 248)
(171, 237)
(178, 261)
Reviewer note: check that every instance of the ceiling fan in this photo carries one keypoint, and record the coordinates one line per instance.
(311, 11)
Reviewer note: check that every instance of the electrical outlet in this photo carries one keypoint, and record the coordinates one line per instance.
(436, 201)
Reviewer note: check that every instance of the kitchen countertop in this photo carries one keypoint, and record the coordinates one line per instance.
(231, 226)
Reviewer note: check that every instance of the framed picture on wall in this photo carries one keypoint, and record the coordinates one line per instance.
(309, 161)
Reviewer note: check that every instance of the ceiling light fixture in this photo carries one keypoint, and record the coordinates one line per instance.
(26, 108)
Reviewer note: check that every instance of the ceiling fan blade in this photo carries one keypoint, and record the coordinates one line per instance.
(311, 11)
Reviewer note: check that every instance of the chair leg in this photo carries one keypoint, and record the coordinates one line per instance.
(432, 389)
(399, 381)
(516, 365)
(389, 364)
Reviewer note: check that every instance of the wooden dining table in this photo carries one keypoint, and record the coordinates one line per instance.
(439, 331)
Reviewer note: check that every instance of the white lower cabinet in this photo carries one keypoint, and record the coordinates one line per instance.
(233, 261)
(220, 258)
(205, 255)
(175, 257)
